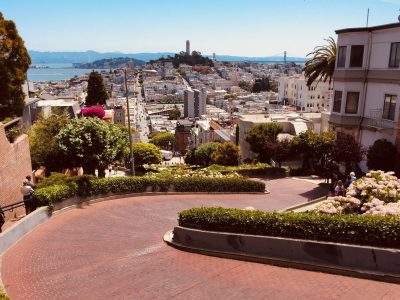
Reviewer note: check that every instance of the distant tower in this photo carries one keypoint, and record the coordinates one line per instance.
(187, 47)
(284, 57)
(214, 57)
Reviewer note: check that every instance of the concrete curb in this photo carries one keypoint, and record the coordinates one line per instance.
(297, 206)
(350, 260)
(13, 234)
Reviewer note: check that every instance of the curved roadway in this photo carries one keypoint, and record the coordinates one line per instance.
(114, 250)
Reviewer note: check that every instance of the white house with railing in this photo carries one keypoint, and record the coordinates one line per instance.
(366, 87)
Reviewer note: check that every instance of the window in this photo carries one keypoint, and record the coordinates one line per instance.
(341, 57)
(337, 101)
(352, 102)
(356, 56)
(389, 107)
(394, 59)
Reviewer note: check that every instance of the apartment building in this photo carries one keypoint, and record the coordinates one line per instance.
(366, 87)
(294, 90)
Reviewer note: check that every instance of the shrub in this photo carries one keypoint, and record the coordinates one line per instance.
(3, 295)
(226, 154)
(383, 231)
(146, 154)
(85, 186)
(380, 155)
(94, 111)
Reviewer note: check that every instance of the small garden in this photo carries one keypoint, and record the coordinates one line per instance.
(58, 186)
(369, 214)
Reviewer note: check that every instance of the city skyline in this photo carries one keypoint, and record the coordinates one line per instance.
(251, 28)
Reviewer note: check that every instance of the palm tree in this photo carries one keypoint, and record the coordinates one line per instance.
(321, 65)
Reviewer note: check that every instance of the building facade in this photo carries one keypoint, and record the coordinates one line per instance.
(194, 103)
(366, 87)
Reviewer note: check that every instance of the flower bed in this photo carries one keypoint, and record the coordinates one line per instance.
(373, 230)
(88, 186)
(376, 193)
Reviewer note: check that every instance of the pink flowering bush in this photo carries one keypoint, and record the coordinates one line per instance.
(94, 111)
(377, 193)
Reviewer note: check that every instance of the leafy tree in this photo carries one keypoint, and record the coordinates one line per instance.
(259, 136)
(321, 65)
(226, 154)
(280, 150)
(203, 153)
(146, 154)
(381, 155)
(190, 157)
(246, 85)
(313, 146)
(164, 140)
(347, 150)
(96, 91)
(92, 143)
(14, 63)
(174, 114)
(261, 84)
(43, 143)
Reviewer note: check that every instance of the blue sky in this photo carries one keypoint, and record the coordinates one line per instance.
(234, 27)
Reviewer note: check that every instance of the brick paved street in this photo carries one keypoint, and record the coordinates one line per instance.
(114, 250)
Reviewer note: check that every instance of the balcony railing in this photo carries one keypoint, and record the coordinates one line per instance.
(374, 119)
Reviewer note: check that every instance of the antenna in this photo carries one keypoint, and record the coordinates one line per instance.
(367, 16)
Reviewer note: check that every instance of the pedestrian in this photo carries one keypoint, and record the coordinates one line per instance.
(339, 189)
(2, 221)
(353, 177)
(30, 183)
(347, 182)
(26, 191)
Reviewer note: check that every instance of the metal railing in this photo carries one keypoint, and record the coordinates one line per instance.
(12, 206)
(375, 119)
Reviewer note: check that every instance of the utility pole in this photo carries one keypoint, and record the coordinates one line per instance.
(132, 159)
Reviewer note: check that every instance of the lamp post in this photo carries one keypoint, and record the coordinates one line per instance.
(132, 159)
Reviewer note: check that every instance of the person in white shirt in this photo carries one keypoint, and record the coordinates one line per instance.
(26, 191)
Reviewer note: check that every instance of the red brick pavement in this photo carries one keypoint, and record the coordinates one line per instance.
(114, 250)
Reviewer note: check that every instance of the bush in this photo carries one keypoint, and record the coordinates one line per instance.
(372, 230)
(85, 186)
(3, 295)
(146, 154)
(13, 133)
(381, 156)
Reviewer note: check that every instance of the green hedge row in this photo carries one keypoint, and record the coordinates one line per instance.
(372, 230)
(88, 186)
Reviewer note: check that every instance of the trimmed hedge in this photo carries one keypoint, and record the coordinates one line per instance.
(372, 230)
(87, 186)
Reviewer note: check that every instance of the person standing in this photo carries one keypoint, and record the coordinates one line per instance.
(26, 191)
(30, 183)
(353, 177)
(339, 189)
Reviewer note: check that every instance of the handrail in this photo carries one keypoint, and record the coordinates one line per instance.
(12, 206)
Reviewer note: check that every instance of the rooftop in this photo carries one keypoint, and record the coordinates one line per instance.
(367, 29)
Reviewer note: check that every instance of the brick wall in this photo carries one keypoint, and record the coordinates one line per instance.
(15, 164)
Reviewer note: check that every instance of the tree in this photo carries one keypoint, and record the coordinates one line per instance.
(97, 93)
(259, 136)
(14, 63)
(203, 153)
(226, 154)
(164, 140)
(144, 153)
(312, 146)
(261, 84)
(92, 143)
(280, 150)
(43, 143)
(174, 114)
(246, 85)
(347, 150)
(321, 65)
(381, 156)
(190, 157)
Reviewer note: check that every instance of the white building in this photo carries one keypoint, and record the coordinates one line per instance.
(295, 91)
(367, 83)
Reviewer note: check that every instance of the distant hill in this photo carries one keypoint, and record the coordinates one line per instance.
(110, 63)
(39, 57)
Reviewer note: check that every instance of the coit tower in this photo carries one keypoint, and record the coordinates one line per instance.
(187, 47)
